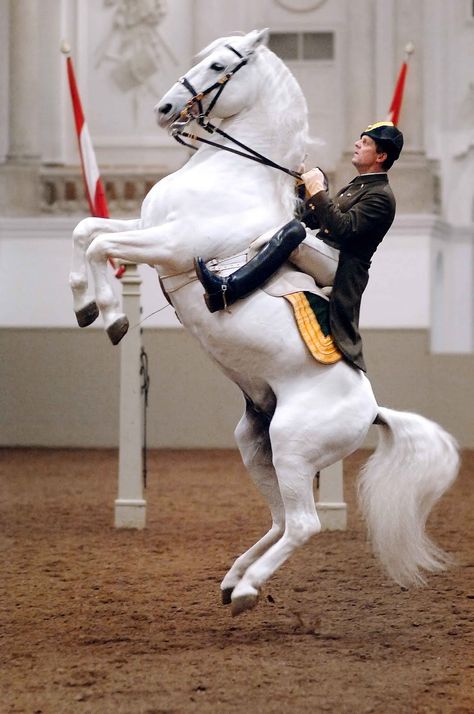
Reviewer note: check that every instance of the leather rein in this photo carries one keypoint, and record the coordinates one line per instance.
(177, 129)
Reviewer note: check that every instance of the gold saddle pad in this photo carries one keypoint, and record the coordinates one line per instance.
(312, 317)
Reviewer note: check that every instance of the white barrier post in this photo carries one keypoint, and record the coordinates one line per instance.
(130, 506)
(332, 510)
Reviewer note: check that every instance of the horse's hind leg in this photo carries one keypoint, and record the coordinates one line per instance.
(254, 444)
(85, 306)
(295, 470)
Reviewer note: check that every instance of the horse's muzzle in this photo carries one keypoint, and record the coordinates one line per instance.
(165, 114)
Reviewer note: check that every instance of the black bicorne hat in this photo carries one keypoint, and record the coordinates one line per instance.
(388, 136)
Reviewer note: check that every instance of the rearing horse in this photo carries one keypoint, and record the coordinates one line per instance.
(300, 416)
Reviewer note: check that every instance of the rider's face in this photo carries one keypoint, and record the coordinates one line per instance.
(366, 158)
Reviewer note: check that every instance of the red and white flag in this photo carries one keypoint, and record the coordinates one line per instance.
(396, 105)
(94, 188)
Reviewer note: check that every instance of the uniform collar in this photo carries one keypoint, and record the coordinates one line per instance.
(370, 178)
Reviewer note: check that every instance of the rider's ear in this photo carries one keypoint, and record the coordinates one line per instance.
(382, 157)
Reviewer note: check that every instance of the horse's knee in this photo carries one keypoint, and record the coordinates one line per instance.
(97, 251)
(84, 229)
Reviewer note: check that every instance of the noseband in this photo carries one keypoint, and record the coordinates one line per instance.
(177, 129)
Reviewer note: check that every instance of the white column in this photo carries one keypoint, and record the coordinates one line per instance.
(358, 102)
(359, 90)
(452, 290)
(19, 176)
(130, 506)
(4, 79)
(411, 27)
(384, 67)
(332, 510)
(24, 107)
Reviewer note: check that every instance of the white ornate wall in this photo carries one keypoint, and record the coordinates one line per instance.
(449, 117)
(127, 53)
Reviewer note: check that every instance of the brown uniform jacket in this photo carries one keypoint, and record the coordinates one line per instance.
(355, 222)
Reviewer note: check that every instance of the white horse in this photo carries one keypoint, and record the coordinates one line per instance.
(300, 416)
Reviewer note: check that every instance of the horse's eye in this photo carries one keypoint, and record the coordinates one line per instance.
(217, 67)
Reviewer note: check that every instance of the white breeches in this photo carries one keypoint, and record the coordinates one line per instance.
(317, 259)
(312, 256)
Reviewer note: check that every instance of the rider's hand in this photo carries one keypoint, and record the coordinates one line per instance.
(314, 181)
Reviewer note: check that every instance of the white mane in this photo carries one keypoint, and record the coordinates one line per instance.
(280, 83)
(283, 107)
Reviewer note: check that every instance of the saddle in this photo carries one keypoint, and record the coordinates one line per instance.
(310, 305)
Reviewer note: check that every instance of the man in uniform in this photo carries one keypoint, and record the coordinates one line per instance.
(351, 226)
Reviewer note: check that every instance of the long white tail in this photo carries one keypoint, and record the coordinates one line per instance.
(416, 461)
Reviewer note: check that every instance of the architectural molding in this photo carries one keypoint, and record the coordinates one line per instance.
(409, 223)
(300, 5)
(62, 189)
(38, 227)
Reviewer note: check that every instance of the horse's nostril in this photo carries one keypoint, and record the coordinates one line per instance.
(165, 108)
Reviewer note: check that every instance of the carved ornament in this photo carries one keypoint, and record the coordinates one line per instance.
(300, 5)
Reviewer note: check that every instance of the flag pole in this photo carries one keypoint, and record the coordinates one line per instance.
(93, 186)
(396, 103)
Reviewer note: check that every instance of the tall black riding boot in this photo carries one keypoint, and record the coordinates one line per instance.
(222, 292)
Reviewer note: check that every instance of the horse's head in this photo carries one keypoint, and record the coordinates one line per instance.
(222, 81)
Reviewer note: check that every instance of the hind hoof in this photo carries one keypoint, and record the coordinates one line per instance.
(226, 595)
(118, 329)
(242, 603)
(87, 315)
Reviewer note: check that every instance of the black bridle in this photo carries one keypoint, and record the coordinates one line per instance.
(177, 129)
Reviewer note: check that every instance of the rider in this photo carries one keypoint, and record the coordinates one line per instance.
(351, 226)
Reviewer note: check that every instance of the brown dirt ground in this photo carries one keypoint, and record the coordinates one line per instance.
(97, 620)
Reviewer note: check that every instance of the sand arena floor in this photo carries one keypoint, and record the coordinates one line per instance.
(96, 620)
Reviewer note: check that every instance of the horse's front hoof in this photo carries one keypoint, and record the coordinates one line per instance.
(118, 329)
(242, 603)
(88, 314)
(226, 595)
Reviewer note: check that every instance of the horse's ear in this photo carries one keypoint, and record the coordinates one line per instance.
(257, 38)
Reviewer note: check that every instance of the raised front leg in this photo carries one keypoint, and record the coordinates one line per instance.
(85, 306)
(253, 441)
(153, 246)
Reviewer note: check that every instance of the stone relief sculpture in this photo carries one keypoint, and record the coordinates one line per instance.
(300, 5)
(134, 44)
